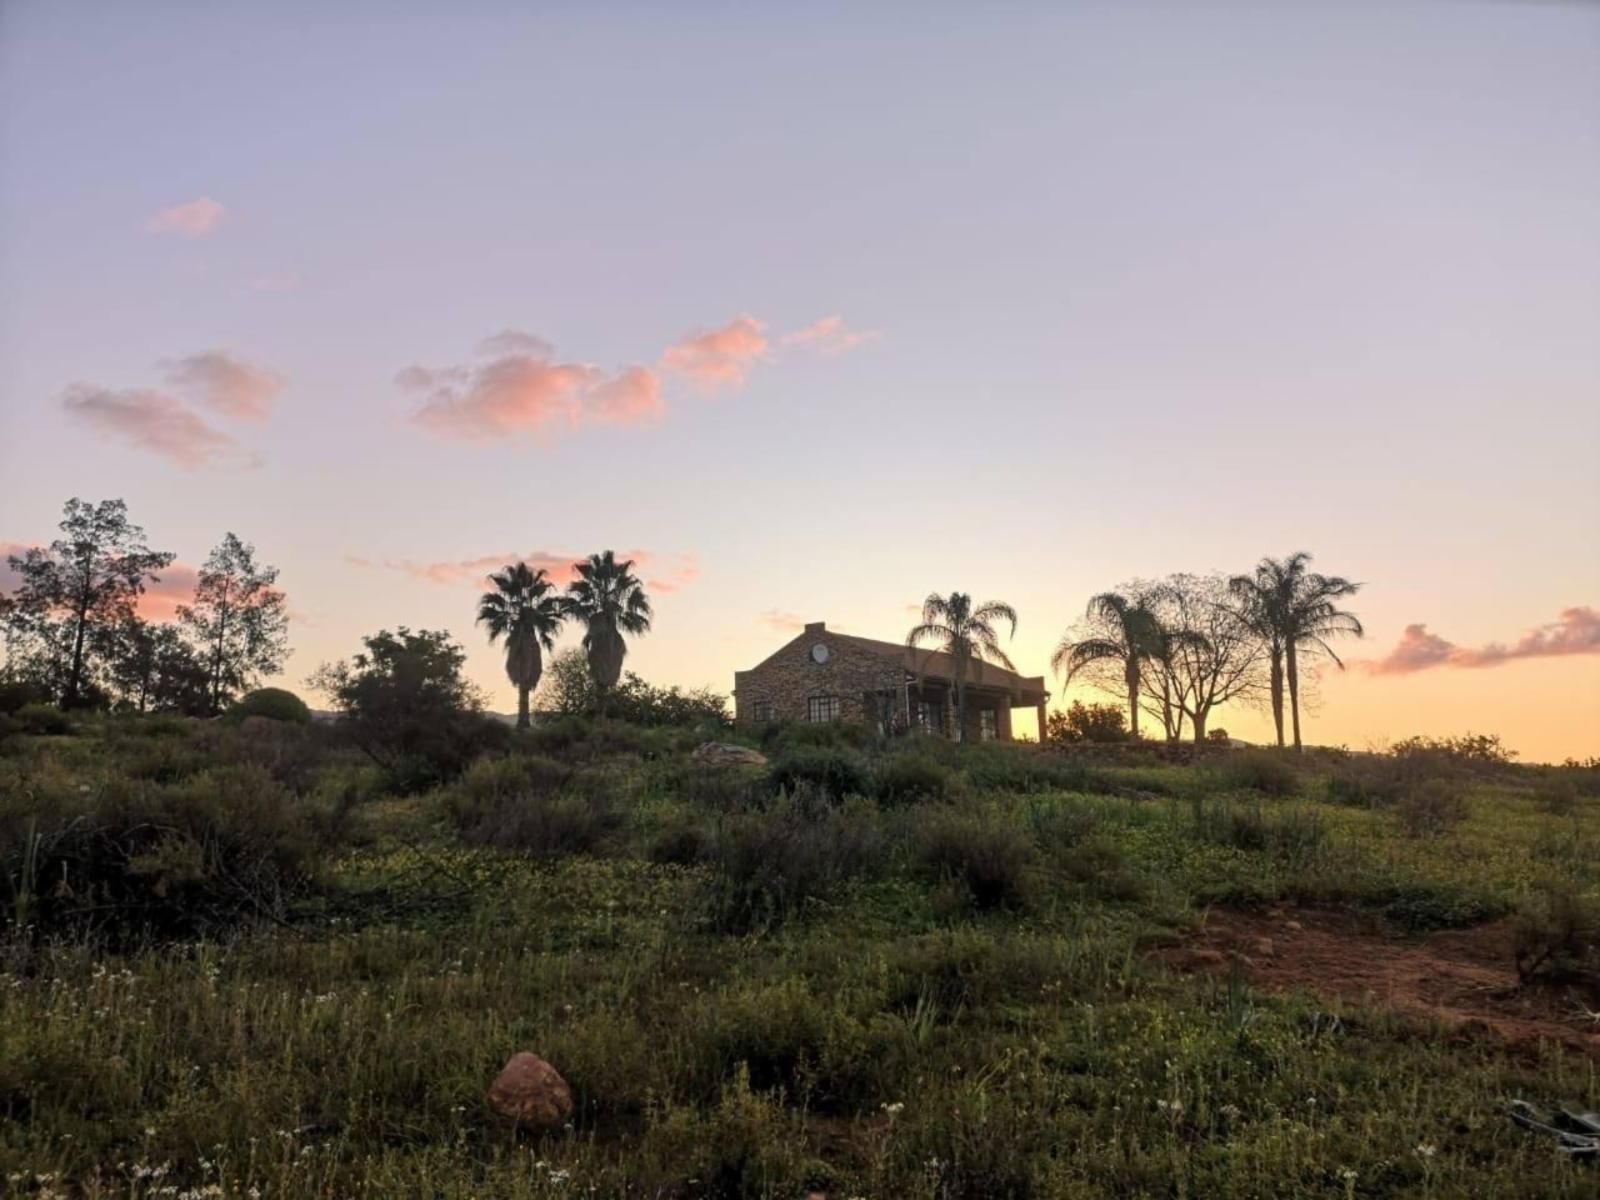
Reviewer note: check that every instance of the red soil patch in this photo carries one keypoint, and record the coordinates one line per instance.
(1464, 979)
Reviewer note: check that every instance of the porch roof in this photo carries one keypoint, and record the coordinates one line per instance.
(934, 665)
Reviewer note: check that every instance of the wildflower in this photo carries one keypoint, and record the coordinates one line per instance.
(893, 1109)
(1426, 1150)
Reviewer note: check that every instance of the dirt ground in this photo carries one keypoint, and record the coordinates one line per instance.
(1464, 979)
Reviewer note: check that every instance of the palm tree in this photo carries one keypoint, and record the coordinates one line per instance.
(523, 609)
(1132, 635)
(609, 599)
(966, 634)
(1294, 609)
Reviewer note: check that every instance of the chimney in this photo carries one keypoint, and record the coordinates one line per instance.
(816, 627)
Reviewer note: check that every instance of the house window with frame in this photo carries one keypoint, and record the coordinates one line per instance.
(820, 709)
(930, 719)
(988, 725)
(761, 712)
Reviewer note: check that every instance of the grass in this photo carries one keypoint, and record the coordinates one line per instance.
(922, 995)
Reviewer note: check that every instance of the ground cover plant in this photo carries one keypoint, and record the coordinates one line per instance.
(247, 958)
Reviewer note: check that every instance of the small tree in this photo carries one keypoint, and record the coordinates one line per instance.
(1101, 723)
(237, 620)
(76, 593)
(407, 704)
(522, 609)
(155, 670)
(568, 687)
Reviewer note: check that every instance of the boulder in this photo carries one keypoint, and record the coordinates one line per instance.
(529, 1091)
(725, 754)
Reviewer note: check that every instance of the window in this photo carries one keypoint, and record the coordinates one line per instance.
(822, 708)
(761, 712)
(930, 717)
(988, 725)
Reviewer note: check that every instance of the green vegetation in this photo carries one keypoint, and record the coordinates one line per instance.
(254, 958)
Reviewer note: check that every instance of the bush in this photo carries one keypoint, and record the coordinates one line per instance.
(1472, 751)
(833, 773)
(769, 865)
(1012, 769)
(1293, 832)
(905, 778)
(830, 735)
(533, 806)
(223, 847)
(43, 720)
(982, 852)
(1557, 796)
(18, 693)
(1557, 936)
(1099, 723)
(1430, 807)
(275, 704)
(1370, 781)
(1259, 771)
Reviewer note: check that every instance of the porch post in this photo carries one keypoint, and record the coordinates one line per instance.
(1002, 718)
(1041, 722)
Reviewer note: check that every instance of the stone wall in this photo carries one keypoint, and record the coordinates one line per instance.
(790, 678)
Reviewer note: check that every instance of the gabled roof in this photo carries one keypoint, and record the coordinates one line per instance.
(934, 664)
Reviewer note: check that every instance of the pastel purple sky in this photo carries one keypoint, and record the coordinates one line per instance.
(824, 307)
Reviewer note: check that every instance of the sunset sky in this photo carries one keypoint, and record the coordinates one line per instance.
(816, 308)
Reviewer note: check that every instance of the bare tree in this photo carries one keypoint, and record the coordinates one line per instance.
(1213, 656)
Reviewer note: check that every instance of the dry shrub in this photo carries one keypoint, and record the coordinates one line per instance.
(1557, 936)
(1430, 808)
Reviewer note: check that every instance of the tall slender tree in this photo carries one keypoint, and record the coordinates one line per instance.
(610, 601)
(84, 586)
(1119, 629)
(522, 608)
(238, 620)
(966, 632)
(1296, 611)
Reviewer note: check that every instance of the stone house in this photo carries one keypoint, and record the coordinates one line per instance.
(824, 675)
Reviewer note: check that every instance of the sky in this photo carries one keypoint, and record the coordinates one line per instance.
(815, 309)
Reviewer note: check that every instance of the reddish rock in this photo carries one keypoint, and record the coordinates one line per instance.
(530, 1092)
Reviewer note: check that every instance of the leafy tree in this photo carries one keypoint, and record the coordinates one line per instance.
(408, 706)
(568, 688)
(524, 610)
(1082, 722)
(154, 669)
(238, 621)
(966, 633)
(75, 594)
(1119, 629)
(1295, 610)
(610, 601)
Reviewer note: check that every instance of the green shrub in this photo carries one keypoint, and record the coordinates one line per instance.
(769, 864)
(1557, 936)
(981, 851)
(1430, 808)
(833, 773)
(19, 693)
(275, 704)
(223, 847)
(1423, 907)
(903, 778)
(826, 735)
(1015, 769)
(1557, 796)
(1293, 832)
(43, 720)
(1258, 771)
(533, 806)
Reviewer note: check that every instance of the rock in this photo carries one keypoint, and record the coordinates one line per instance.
(531, 1092)
(725, 754)
(1265, 948)
(1293, 925)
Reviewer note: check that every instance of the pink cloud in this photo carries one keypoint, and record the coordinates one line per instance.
(829, 336)
(660, 573)
(719, 357)
(516, 387)
(149, 420)
(1575, 631)
(195, 218)
(226, 384)
(631, 398)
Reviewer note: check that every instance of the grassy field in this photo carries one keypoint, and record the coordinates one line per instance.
(235, 965)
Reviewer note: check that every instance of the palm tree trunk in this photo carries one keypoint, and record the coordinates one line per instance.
(523, 720)
(1294, 694)
(1133, 702)
(1277, 692)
